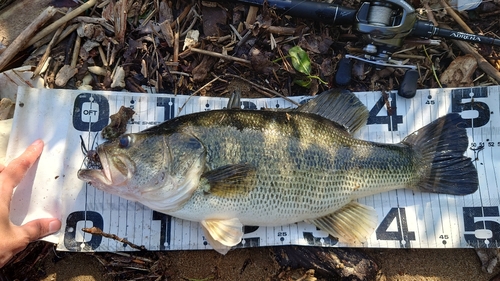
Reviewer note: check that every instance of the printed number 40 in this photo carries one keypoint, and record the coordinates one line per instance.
(392, 119)
(402, 234)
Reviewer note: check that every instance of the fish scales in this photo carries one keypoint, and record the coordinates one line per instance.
(230, 168)
(304, 168)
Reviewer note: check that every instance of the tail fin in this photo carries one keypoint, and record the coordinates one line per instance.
(441, 146)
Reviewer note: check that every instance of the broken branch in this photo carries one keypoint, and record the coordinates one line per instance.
(49, 29)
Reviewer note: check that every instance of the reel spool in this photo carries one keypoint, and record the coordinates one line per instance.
(380, 15)
(384, 25)
(390, 19)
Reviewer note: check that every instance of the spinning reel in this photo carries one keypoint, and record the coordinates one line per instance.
(384, 24)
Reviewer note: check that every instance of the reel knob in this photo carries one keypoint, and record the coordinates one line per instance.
(344, 72)
(408, 87)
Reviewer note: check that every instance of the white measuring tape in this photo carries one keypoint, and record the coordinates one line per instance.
(406, 219)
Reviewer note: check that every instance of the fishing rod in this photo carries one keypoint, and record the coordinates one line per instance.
(384, 25)
(383, 19)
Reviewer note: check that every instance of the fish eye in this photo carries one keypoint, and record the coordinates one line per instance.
(125, 141)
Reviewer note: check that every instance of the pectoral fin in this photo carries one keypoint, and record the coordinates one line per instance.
(352, 224)
(229, 180)
(223, 234)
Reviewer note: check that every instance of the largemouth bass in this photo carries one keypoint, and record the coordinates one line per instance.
(230, 168)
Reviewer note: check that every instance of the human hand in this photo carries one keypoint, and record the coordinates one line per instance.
(13, 238)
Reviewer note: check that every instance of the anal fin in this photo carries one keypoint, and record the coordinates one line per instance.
(223, 234)
(353, 223)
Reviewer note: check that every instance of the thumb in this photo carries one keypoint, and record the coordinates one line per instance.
(39, 228)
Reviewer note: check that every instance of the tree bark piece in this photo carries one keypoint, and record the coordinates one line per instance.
(459, 72)
(252, 15)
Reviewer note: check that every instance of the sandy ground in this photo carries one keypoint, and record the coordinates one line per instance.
(11, 24)
(257, 264)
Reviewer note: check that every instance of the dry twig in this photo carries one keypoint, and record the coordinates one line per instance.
(262, 88)
(252, 15)
(67, 31)
(97, 231)
(197, 91)
(221, 56)
(47, 52)
(455, 16)
(49, 29)
(76, 51)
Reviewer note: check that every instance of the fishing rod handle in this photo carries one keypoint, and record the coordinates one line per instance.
(318, 11)
(426, 29)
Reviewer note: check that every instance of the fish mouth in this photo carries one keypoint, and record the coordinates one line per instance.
(116, 171)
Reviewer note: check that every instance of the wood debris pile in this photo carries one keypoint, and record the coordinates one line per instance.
(214, 48)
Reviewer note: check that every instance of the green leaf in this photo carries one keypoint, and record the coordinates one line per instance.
(303, 83)
(300, 60)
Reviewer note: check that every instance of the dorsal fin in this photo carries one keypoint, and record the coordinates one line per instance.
(339, 106)
(234, 101)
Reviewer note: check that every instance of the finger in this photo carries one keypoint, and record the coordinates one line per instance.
(1, 167)
(17, 168)
(39, 228)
